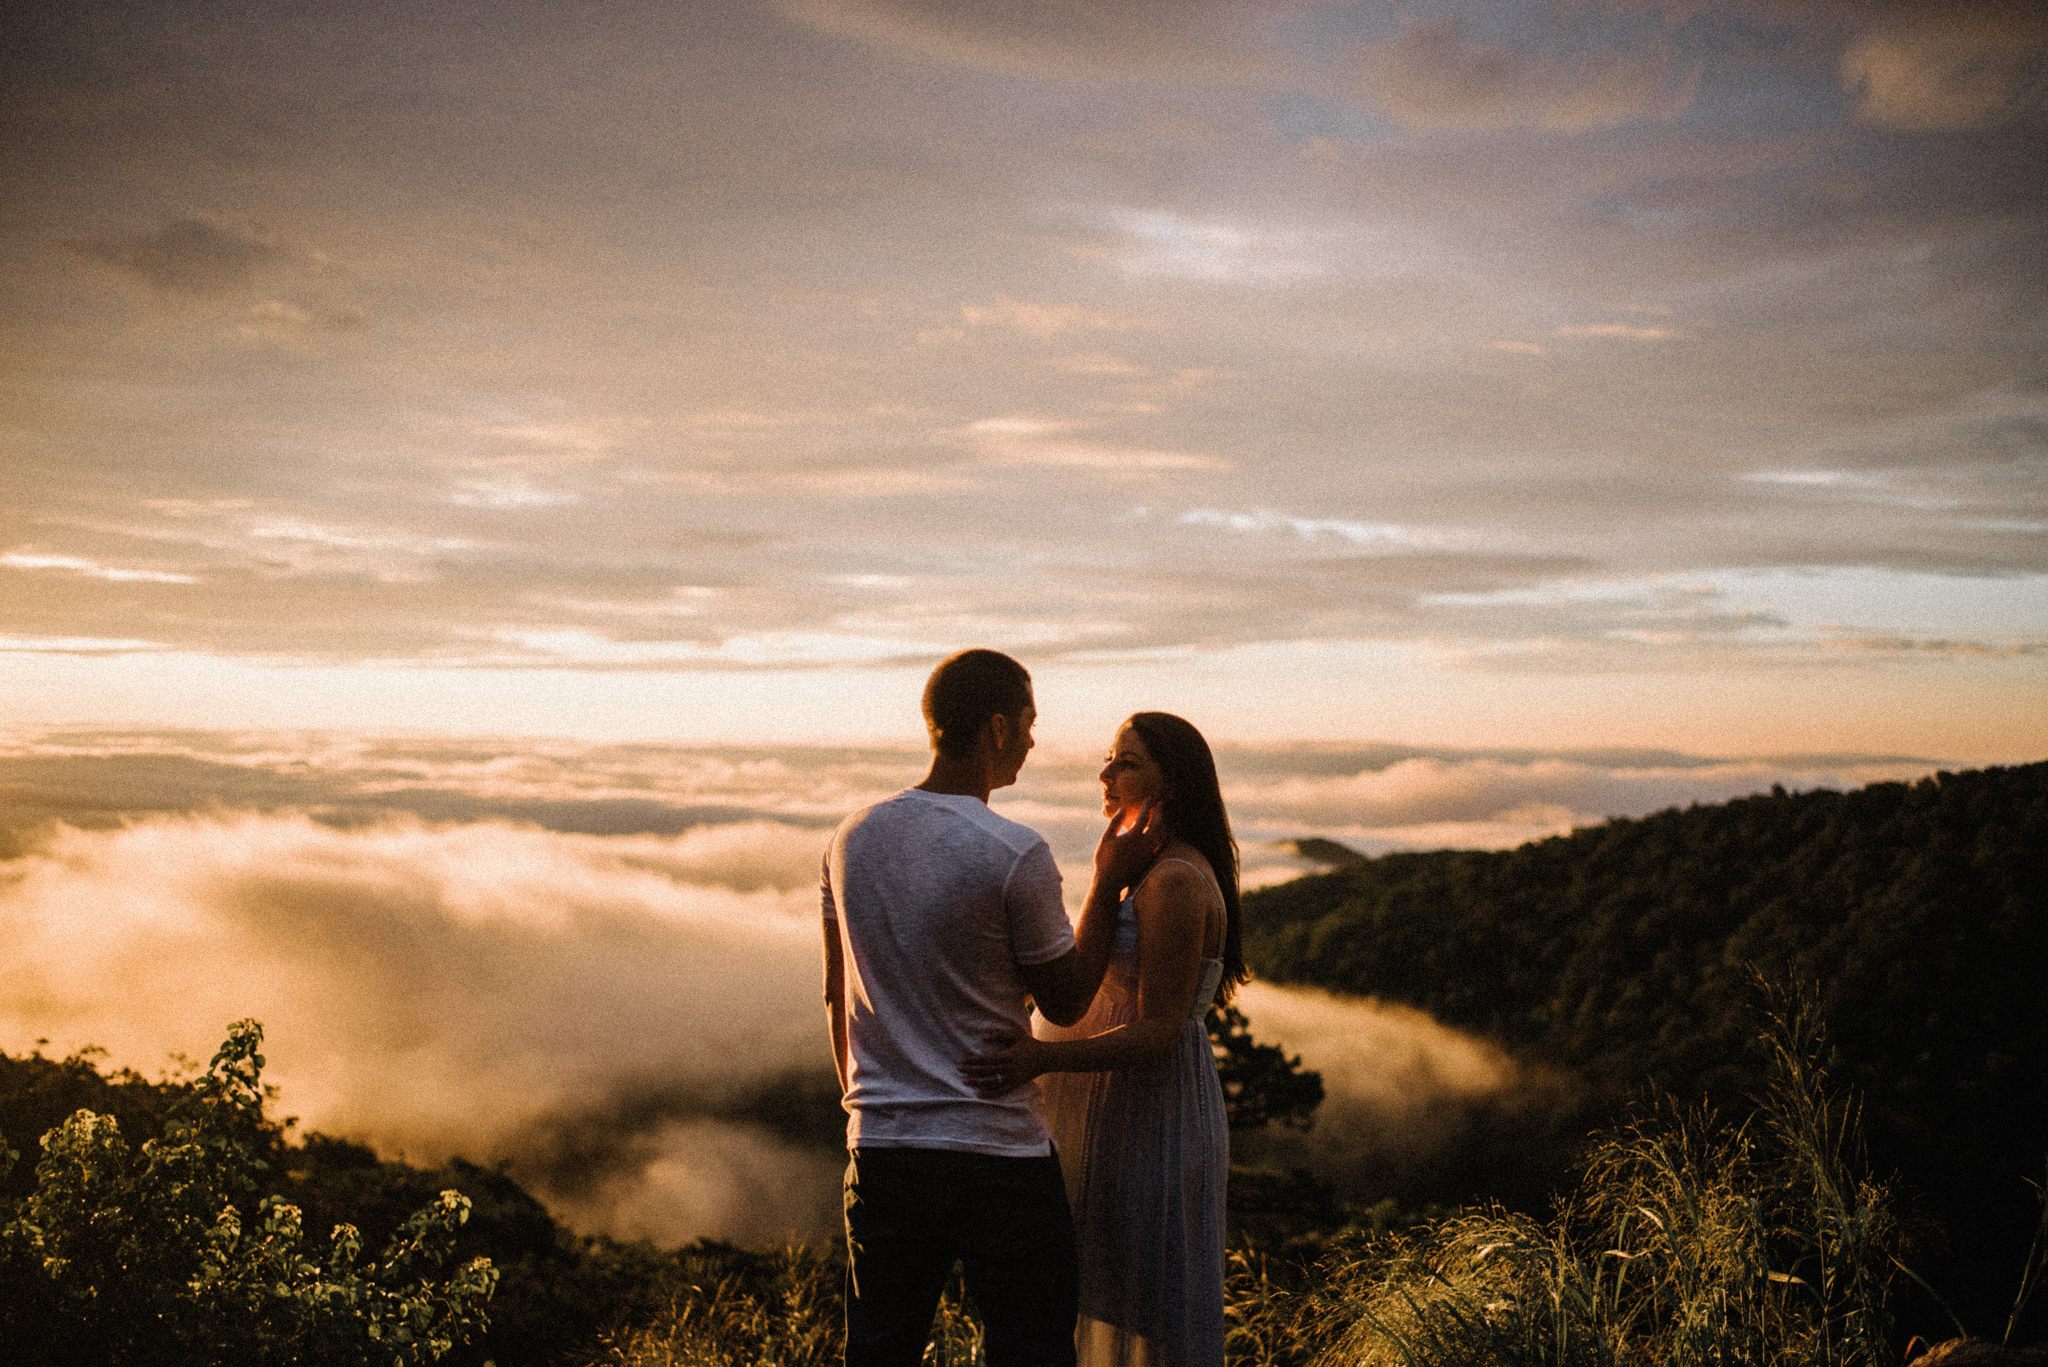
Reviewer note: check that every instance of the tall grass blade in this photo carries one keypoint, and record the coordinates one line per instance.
(2030, 1275)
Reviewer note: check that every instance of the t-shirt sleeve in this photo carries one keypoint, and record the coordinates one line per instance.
(1039, 929)
(826, 901)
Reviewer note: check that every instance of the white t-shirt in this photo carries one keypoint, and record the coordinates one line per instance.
(938, 900)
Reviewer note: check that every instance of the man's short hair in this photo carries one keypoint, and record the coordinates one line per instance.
(965, 691)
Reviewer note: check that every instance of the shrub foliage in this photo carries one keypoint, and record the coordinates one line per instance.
(165, 1254)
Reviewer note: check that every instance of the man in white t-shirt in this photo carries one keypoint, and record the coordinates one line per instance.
(943, 925)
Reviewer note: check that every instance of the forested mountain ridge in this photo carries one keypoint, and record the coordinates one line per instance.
(1629, 954)
(1627, 949)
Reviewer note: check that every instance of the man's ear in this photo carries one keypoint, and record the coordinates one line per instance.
(999, 731)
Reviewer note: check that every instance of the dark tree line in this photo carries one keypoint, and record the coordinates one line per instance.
(1631, 955)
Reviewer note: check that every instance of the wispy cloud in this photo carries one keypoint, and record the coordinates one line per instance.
(1384, 795)
(189, 256)
(1035, 441)
(354, 540)
(304, 328)
(575, 646)
(508, 494)
(1163, 243)
(1815, 479)
(1096, 363)
(1045, 321)
(559, 438)
(17, 560)
(74, 645)
(1628, 331)
(1308, 528)
(1144, 39)
(1431, 76)
(1951, 68)
(1849, 639)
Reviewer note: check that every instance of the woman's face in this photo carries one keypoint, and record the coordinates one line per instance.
(1130, 775)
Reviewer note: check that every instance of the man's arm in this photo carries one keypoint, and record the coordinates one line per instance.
(1063, 987)
(835, 1002)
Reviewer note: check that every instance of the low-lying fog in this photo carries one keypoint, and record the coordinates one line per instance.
(600, 965)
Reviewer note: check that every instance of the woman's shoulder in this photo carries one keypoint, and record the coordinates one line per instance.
(1180, 868)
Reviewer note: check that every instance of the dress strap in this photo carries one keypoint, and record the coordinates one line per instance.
(1210, 879)
(1207, 878)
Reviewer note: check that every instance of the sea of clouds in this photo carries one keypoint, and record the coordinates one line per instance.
(599, 965)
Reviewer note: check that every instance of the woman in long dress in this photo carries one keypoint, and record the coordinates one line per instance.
(1132, 1094)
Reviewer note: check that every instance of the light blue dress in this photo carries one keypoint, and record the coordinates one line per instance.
(1145, 1151)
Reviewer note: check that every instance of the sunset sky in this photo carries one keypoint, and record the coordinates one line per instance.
(1432, 373)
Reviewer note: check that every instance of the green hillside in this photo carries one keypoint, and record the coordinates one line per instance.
(1629, 955)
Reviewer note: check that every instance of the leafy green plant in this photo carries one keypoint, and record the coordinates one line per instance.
(125, 1255)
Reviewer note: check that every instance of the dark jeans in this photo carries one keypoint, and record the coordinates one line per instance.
(910, 1213)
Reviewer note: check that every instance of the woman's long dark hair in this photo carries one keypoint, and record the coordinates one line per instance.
(1194, 812)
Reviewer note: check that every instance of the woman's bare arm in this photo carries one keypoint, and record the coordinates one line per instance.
(1173, 907)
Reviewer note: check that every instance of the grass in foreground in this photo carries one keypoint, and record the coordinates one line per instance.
(1689, 1240)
